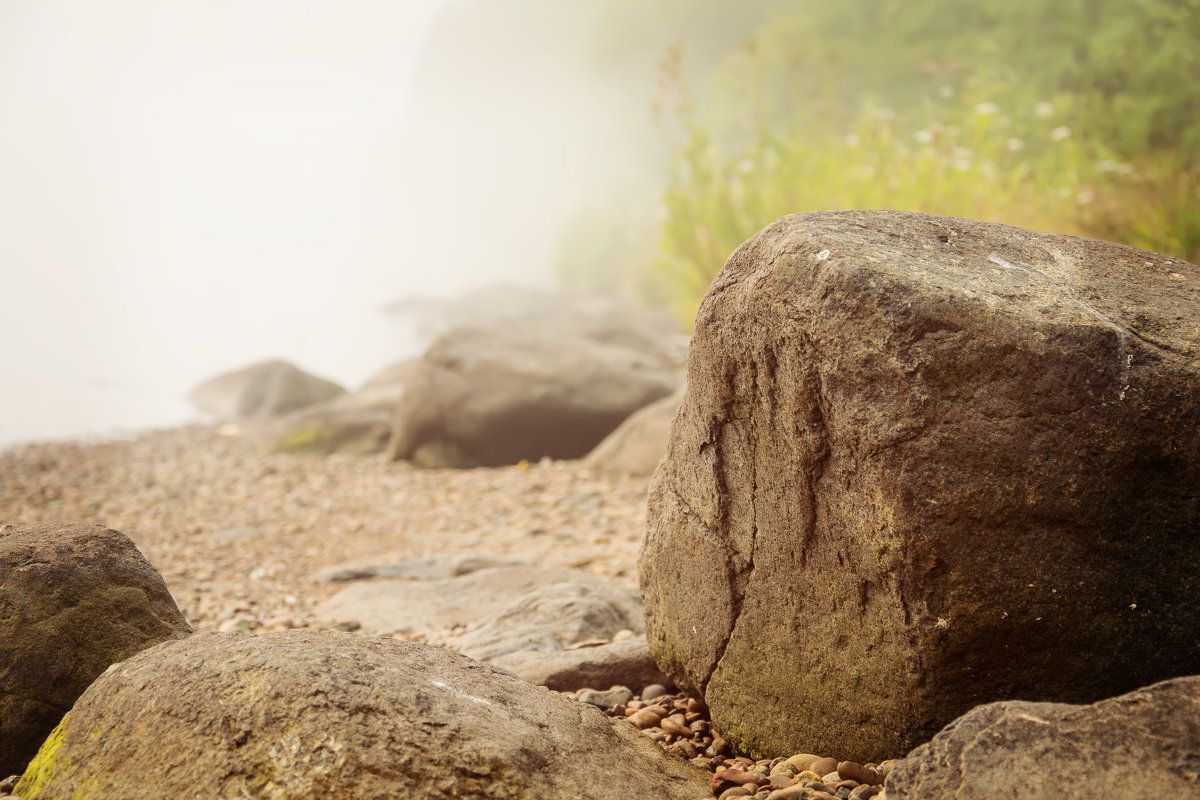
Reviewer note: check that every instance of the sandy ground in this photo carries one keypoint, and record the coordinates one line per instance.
(238, 531)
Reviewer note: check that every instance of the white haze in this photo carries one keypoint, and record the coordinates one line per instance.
(188, 186)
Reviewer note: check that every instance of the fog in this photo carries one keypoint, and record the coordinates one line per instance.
(192, 186)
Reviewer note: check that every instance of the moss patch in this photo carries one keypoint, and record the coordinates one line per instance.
(45, 765)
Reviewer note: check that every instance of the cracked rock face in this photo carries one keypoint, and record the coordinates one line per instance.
(1142, 744)
(926, 463)
(74, 598)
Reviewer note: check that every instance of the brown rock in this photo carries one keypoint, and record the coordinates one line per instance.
(638, 443)
(302, 714)
(74, 598)
(261, 390)
(850, 770)
(625, 663)
(897, 431)
(824, 766)
(1142, 744)
(488, 396)
(723, 779)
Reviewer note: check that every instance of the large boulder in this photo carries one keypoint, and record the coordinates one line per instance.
(266, 389)
(492, 396)
(638, 443)
(303, 714)
(1142, 744)
(74, 598)
(925, 463)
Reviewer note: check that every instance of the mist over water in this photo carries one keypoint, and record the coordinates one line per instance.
(189, 187)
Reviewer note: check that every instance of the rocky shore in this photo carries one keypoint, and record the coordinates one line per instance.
(246, 536)
(240, 532)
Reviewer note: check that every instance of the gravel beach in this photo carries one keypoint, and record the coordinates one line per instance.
(239, 531)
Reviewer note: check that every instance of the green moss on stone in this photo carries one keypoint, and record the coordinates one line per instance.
(45, 765)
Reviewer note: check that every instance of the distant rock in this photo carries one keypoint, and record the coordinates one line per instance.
(389, 380)
(357, 423)
(267, 389)
(598, 317)
(414, 606)
(1142, 744)
(638, 443)
(925, 463)
(304, 714)
(550, 618)
(494, 396)
(620, 663)
(74, 598)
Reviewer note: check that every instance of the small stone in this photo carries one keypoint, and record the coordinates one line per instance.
(830, 778)
(615, 696)
(676, 725)
(718, 748)
(790, 793)
(819, 795)
(652, 691)
(780, 780)
(802, 761)
(724, 778)
(857, 772)
(736, 791)
(702, 762)
(863, 792)
(823, 766)
(9, 783)
(645, 718)
(807, 776)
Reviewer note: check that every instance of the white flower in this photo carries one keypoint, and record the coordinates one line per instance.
(986, 109)
(924, 137)
(1043, 109)
(852, 139)
(946, 91)
(1013, 145)
(1060, 133)
(746, 165)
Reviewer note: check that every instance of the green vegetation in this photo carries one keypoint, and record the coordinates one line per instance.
(45, 764)
(1077, 116)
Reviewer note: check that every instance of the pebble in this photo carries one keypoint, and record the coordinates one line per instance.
(824, 766)
(653, 691)
(616, 696)
(850, 770)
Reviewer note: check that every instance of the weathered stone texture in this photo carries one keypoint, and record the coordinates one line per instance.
(925, 463)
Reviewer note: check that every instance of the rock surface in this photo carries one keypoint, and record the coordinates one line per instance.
(924, 463)
(413, 569)
(551, 618)
(261, 390)
(625, 663)
(74, 598)
(490, 396)
(304, 714)
(1142, 744)
(391, 605)
(638, 443)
